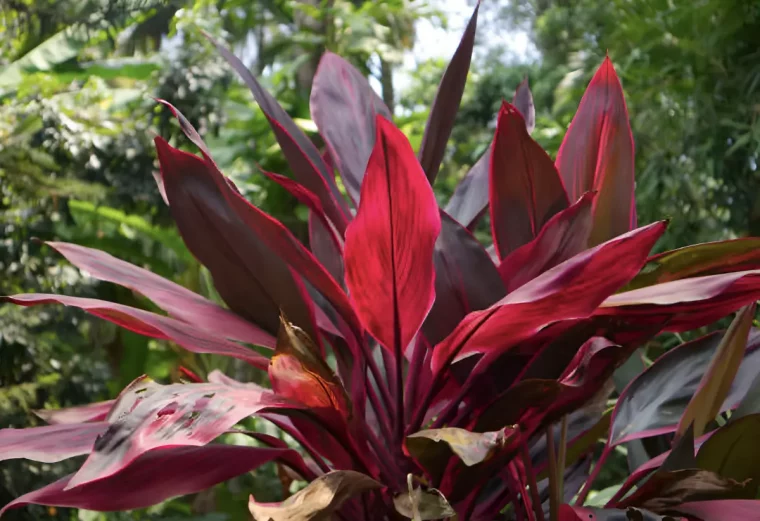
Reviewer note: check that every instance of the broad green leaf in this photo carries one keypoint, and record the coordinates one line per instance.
(732, 451)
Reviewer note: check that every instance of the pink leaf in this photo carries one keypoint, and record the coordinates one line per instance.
(91, 412)
(148, 416)
(525, 188)
(50, 443)
(150, 324)
(597, 154)
(389, 245)
(179, 302)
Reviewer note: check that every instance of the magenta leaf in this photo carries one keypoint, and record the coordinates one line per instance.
(150, 324)
(564, 236)
(597, 154)
(466, 280)
(152, 478)
(446, 102)
(389, 245)
(344, 106)
(148, 416)
(179, 302)
(525, 188)
(92, 412)
(303, 157)
(571, 290)
(50, 443)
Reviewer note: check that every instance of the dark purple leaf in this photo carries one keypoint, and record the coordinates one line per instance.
(446, 102)
(470, 198)
(523, 101)
(466, 280)
(344, 106)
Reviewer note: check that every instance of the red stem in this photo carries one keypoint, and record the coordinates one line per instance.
(594, 473)
(412, 377)
(531, 474)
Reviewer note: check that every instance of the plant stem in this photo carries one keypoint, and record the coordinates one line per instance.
(562, 457)
(529, 471)
(553, 490)
(594, 473)
(413, 376)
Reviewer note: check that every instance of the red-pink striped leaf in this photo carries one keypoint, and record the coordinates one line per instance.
(446, 102)
(179, 302)
(564, 236)
(150, 324)
(91, 412)
(389, 245)
(573, 289)
(525, 188)
(148, 416)
(50, 443)
(344, 106)
(154, 477)
(687, 303)
(597, 154)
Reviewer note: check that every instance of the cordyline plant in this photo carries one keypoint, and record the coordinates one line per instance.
(423, 377)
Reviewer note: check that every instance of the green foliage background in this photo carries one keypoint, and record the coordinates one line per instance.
(76, 158)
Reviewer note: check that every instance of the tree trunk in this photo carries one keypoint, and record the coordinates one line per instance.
(386, 82)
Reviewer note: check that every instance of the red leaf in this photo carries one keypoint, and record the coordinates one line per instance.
(248, 275)
(466, 280)
(179, 302)
(688, 303)
(525, 188)
(344, 106)
(152, 478)
(91, 412)
(564, 236)
(573, 289)
(148, 416)
(597, 154)
(446, 102)
(150, 324)
(50, 443)
(389, 245)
